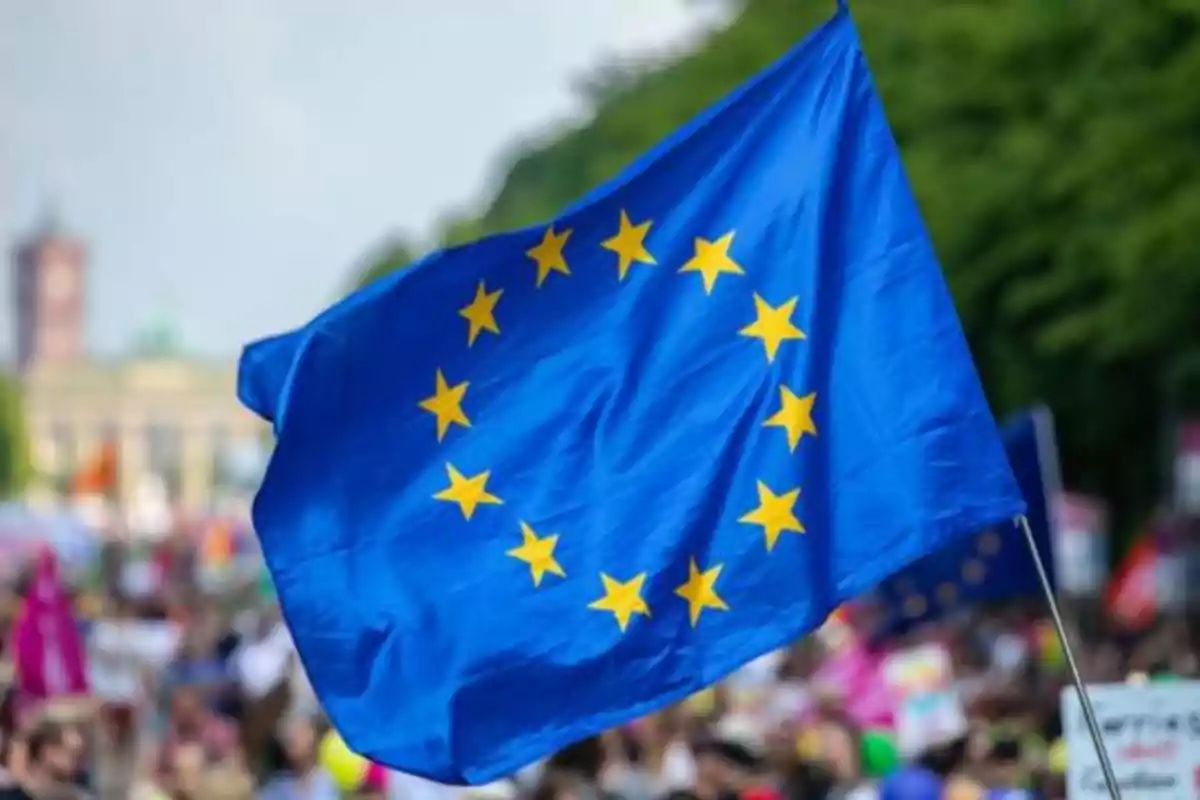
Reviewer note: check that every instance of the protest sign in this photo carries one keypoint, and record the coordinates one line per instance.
(1080, 544)
(929, 710)
(1151, 732)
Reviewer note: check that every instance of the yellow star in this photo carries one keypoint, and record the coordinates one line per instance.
(538, 553)
(774, 514)
(794, 416)
(548, 254)
(481, 313)
(629, 245)
(446, 405)
(622, 599)
(469, 493)
(773, 325)
(699, 591)
(711, 259)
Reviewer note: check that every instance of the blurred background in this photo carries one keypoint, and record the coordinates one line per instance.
(177, 179)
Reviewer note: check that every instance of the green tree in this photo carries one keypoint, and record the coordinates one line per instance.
(394, 254)
(1052, 145)
(14, 453)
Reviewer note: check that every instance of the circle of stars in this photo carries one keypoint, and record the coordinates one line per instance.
(772, 325)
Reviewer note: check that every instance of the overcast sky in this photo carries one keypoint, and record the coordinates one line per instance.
(228, 161)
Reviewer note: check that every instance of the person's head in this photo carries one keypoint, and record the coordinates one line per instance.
(713, 770)
(584, 759)
(801, 661)
(1003, 765)
(188, 766)
(556, 785)
(727, 765)
(656, 730)
(120, 607)
(300, 744)
(841, 751)
(187, 705)
(781, 750)
(945, 759)
(55, 751)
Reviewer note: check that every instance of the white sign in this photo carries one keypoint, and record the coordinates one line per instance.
(1151, 732)
(1080, 544)
(916, 670)
(929, 719)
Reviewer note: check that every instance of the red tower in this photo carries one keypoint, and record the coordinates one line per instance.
(49, 297)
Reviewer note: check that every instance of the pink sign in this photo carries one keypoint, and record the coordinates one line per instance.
(48, 650)
(856, 675)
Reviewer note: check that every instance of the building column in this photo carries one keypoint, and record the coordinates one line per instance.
(196, 468)
(131, 459)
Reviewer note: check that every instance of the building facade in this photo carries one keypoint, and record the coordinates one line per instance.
(172, 420)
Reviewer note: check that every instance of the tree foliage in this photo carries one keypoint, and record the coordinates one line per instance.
(1054, 146)
(396, 253)
(14, 454)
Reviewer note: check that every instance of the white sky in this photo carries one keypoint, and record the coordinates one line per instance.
(229, 161)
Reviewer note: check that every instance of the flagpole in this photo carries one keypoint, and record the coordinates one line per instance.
(1085, 701)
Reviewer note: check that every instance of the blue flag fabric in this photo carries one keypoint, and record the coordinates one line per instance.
(540, 485)
(994, 564)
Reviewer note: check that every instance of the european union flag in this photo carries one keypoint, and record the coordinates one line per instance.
(994, 564)
(539, 485)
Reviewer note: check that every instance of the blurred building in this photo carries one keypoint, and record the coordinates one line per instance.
(173, 421)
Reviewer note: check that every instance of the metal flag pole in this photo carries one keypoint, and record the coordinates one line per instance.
(1085, 701)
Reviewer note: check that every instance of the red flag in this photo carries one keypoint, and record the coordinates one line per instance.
(1131, 597)
(99, 476)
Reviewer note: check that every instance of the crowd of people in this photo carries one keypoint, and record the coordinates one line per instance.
(195, 693)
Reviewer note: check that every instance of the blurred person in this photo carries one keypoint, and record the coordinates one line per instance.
(8, 727)
(557, 786)
(716, 772)
(949, 761)
(733, 765)
(580, 764)
(75, 738)
(298, 776)
(198, 662)
(1003, 769)
(185, 772)
(146, 782)
(666, 757)
(191, 723)
(842, 755)
(1103, 663)
(115, 670)
(45, 763)
(624, 774)
(228, 780)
